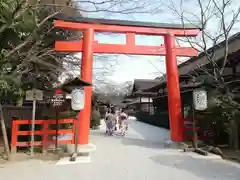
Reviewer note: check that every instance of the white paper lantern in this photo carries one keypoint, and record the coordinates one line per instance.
(200, 99)
(77, 100)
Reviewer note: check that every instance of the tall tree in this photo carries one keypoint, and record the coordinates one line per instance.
(27, 58)
(219, 20)
(26, 41)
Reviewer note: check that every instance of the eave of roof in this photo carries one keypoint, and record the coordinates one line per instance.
(81, 19)
(76, 82)
(193, 63)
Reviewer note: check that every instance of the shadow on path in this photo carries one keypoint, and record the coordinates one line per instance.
(204, 168)
(149, 141)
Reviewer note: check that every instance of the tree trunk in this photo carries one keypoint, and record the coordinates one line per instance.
(194, 125)
(235, 136)
(195, 135)
(231, 133)
(4, 133)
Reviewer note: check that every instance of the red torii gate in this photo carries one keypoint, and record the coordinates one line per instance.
(89, 46)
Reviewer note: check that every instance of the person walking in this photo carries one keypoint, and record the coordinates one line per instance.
(114, 118)
(107, 114)
(117, 120)
(110, 122)
(123, 122)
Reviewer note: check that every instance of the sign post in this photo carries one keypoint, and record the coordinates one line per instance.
(77, 104)
(57, 101)
(33, 95)
(200, 104)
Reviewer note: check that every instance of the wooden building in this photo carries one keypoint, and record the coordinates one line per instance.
(140, 101)
(192, 75)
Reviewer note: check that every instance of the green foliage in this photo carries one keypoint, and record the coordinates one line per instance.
(220, 112)
(222, 108)
(95, 118)
(27, 58)
(16, 23)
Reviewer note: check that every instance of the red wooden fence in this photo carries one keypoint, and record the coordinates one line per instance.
(188, 131)
(44, 132)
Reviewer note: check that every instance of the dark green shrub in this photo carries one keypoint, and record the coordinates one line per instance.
(95, 119)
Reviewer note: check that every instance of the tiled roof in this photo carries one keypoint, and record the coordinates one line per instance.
(192, 64)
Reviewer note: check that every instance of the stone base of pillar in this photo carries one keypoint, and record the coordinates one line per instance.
(174, 145)
(86, 148)
(83, 151)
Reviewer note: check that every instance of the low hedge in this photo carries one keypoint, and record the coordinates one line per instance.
(95, 119)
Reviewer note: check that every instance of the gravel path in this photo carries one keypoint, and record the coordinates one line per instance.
(138, 156)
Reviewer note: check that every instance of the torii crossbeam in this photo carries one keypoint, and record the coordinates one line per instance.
(131, 28)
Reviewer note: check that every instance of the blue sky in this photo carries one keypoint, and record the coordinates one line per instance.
(127, 68)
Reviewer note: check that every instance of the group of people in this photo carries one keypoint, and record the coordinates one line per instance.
(116, 120)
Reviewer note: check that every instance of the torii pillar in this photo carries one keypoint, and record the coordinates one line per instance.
(174, 98)
(88, 46)
(86, 74)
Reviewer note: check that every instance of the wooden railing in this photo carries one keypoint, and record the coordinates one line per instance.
(45, 131)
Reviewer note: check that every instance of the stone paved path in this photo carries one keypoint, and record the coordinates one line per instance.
(138, 156)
